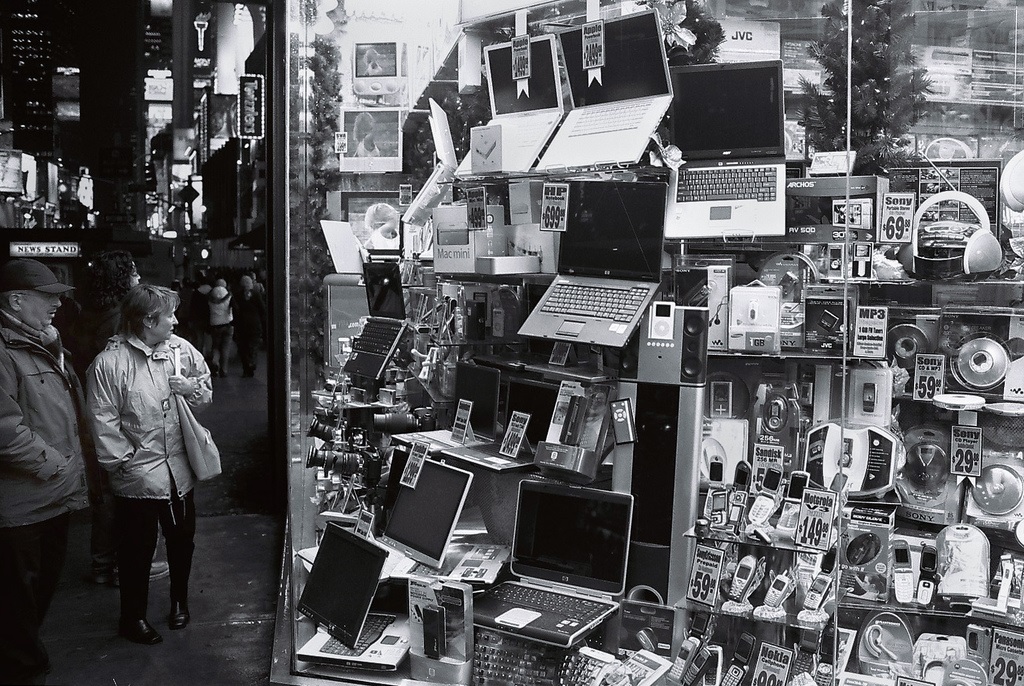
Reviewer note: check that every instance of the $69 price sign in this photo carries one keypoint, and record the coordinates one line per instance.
(897, 218)
(705, 574)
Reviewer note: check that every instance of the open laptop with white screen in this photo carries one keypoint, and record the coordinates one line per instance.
(613, 118)
(728, 121)
(527, 119)
(609, 264)
(570, 550)
(337, 596)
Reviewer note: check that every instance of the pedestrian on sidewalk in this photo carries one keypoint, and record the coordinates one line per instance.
(44, 440)
(140, 444)
(250, 323)
(221, 328)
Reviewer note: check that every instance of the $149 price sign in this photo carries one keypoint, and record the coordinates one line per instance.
(897, 218)
(705, 575)
(476, 207)
(929, 371)
(554, 205)
(1006, 664)
(817, 515)
(965, 451)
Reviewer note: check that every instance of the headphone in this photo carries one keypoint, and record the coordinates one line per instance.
(1011, 186)
(957, 248)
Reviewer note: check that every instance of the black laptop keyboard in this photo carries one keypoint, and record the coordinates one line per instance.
(568, 606)
(727, 183)
(373, 628)
(598, 302)
(500, 660)
(372, 348)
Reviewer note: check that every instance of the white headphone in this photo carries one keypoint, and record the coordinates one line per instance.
(982, 251)
(1012, 184)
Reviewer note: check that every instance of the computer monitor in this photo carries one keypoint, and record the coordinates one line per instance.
(423, 518)
(377, 68)
(536, 399)
(482, 385)
(342, 583)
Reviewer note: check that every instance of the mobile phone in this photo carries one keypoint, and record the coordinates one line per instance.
(716, 471)
(718, 504)
(766, 502)
(926, 578)
(740, 660)
(434, 641)
(741, 477)
(738, 494)
(780, 589)
(790, 516)
(818, 592)
(748, 576)
(902, 571)
(798, 481)
(771, 481)
(702, 625)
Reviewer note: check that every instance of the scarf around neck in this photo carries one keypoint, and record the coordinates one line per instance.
(49, 337)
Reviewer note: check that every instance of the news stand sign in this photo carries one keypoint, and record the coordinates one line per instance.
(37, 249)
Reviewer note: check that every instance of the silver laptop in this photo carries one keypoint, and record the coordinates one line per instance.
(609, 264)
(728, 121)
(570, 550)
(337, 596)
(615, 116)
(527, 119)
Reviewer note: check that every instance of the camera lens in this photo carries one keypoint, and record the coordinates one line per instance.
(320, 429)
(395, 423)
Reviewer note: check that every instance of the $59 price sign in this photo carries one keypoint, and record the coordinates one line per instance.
(772, 666)
(929, 371)
(705, 575)
(965, 451)
(817, 516)
(554, 206)
(897, 218)
(1006, 664)
(476, 207)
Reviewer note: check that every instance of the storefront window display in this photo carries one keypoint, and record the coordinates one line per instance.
(777, 441)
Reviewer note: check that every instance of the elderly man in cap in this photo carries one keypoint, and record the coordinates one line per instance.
(43, 444)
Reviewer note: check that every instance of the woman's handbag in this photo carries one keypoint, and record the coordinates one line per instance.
(203, 455)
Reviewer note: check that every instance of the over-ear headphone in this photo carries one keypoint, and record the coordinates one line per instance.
(1012, 184)
(949, 248)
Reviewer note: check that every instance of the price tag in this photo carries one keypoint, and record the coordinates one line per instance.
(929, 373)
(411, 473)
(869, 334)
(554, 206)
(404, 194)
(559, 353)
(772, 666)
(705, 575)
(593, 45)
(897, 218)
(520, 58)
(341, 142)
(476, 207)
(460, 426)
(965, 451)
(817, 517)
(514, 434)
(364, 525)
(766, 456)
(1006, 663)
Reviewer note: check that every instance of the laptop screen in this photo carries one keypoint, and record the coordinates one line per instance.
(384, 296)
(614, 230)
(423, 519)
(634, 62)
(571, 535)
(729, 110)
(481, 385)
(536, 399)
(342, 583)
(543, 91)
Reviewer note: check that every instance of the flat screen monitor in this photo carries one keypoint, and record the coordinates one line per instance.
(342, 583)
(423, 519)
(482, 385)
(536, 399)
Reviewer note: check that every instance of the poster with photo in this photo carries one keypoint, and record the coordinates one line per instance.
(374, 139)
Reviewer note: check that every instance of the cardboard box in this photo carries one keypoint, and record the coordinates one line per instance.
(865, 551)
(456, 247)
(524, 202)
(825, 318)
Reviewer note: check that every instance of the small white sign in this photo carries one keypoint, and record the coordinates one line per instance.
(411, 473)
(869, 334)
(521, 58)
(48, 249)
(554, 207)
(476, 207)
(559, 353)
(460, 426)
(364, 525)
(965, 452)
(897, 218)
(705, 575)
(817, 518)
(928, 376)
(514, 434)
(593, 45)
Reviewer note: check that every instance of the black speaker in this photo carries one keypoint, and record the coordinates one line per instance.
(693, 368)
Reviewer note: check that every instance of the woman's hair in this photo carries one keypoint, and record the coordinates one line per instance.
(145, 301)
(363, 125)
(379, 214)
(108, 278)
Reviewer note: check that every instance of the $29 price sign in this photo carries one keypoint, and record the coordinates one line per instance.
(1006, 664)
(965, 451)
(929, 371)
(476, 207)
(817, 516)
(705, 575)
(897, 218)
(554, 206)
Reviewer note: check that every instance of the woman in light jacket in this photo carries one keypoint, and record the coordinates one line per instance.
(139, 442)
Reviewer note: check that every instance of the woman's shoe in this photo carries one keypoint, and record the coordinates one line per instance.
(139, 631)
(179, 617)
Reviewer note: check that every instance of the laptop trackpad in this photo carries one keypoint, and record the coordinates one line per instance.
(721, 212)
(570, 329)
(517, 617)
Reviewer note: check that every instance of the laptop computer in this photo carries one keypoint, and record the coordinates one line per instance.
(536, 399)
(346, 252)
(728, 121)
(527, 119)
(569, 551)
(338, 594)
(481, 385)
(615, 116)
(609, 264)
(384, 294)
